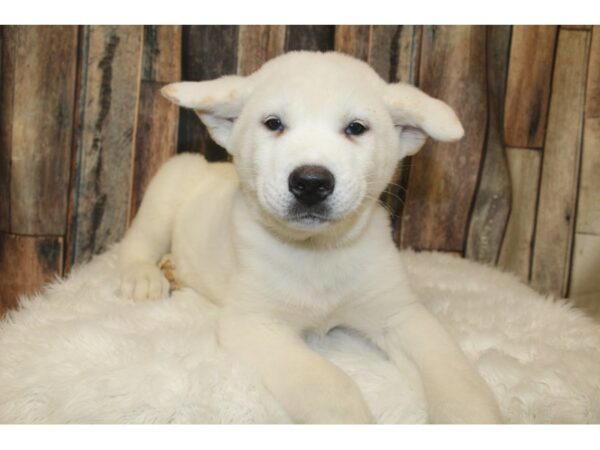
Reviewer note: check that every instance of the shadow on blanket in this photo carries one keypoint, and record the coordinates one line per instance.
(77, 353)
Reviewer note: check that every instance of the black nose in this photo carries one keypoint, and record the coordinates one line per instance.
(311, 184)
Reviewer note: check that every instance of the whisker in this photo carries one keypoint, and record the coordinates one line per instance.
(397, 197)
(396, 185)
(385, 205)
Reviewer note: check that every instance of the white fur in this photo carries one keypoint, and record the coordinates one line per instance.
(236, 236)
(80, 354)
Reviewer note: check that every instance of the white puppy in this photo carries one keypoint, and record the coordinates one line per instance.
(291, 237)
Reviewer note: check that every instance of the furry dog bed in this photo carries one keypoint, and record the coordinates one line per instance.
(78, 353)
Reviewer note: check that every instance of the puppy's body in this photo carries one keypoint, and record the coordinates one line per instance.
(280, 264)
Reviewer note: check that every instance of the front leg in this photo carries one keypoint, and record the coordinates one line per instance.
(310, 388)
(455, 391)
(149, 236)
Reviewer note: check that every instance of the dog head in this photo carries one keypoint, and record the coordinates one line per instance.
(315, 136)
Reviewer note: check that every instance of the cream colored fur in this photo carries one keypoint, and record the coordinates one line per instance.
(277, 277)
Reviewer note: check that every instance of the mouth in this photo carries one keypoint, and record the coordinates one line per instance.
(309, 219)
(309, 216)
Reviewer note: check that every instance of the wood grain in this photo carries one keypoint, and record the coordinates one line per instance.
(162, 53)
(157, 122)
(105, 146)
(560, 169)
(38, 99)
(443, 176)
(492, 201)
(6, 91)
(529, 80)
(156, 138)
(515, 254)
(585, 278)
(577, 27)
(592, 104)
(26, 264)
(258, 44)
(588, 208)
(208, 52)
(380, 52)
(394, 52)
(584, 285)
(309, 37)
(353, 40)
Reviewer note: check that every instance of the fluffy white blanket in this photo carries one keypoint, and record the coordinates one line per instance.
(77, 353)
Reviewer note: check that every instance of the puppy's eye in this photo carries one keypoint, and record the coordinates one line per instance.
(274, 123)
(355, 128)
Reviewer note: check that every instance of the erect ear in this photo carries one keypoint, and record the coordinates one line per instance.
(217, 102)
(416, 115)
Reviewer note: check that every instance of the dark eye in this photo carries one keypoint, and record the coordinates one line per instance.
(274, 124)
(355, 129)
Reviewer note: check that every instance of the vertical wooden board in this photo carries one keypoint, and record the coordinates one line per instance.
(309, 37)
(156, 138)
(443, 176)
(157, 124)
(6, 81)
(208, 52)
(42, 81)
(258, 44)
(26, 264)
(577, 27)
(560, 168)
(394, 52)
(492, 201)
(585, 278)
(515, 254)
(588, 207)
(406, 53)
(162, 53)
(353, 40)
(592, 104)
(382, 46)
(81, 72)
(584, 290)
(109, 99)
(529, 80)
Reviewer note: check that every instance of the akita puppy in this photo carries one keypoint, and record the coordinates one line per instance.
(291, 238)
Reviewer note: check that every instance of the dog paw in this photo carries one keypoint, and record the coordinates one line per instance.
(143, 281)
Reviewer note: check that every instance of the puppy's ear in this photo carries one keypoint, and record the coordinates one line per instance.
(217, 102)
(416, 115)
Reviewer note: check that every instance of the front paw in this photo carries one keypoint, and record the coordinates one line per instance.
(141, 281)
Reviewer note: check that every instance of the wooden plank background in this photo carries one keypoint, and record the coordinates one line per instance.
(83, 129)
